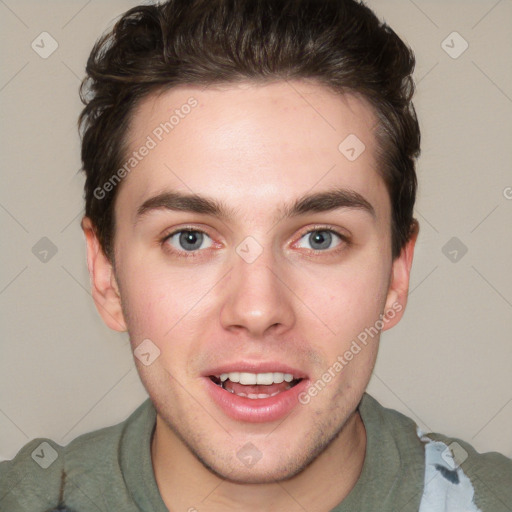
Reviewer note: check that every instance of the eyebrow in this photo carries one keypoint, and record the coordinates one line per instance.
(309, 203)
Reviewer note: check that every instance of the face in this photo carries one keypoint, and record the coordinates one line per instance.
(250, 248)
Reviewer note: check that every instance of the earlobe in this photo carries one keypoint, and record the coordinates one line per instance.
(399, 285)
(105, 290)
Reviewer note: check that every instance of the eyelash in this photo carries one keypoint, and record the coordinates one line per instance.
(182, 254)
(345, 240)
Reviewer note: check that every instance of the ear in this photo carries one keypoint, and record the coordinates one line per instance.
(398, 290)
(105, 290)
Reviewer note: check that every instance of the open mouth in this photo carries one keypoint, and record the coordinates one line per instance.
(255, 385)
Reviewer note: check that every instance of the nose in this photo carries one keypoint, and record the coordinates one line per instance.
(257, 298)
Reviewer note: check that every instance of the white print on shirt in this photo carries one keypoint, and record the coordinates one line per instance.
(446, 487)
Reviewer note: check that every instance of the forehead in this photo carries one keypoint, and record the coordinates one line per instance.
(251, 144)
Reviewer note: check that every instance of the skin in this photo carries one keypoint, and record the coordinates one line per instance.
(256, 148)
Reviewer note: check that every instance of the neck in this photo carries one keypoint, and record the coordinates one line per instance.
(185, 484)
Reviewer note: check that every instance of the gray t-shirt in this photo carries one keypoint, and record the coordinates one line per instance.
(404, 470)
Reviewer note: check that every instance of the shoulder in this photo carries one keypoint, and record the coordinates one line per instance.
(32, 477)
(43, 472)
(456, 466)
(454, 473)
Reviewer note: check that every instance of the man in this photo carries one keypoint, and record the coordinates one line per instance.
(250, 183)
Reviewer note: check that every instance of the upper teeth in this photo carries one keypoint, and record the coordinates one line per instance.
(257, 378)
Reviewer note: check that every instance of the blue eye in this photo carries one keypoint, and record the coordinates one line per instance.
(321, 239)
(189, 240)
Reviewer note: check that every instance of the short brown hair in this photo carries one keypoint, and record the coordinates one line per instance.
(338, 43)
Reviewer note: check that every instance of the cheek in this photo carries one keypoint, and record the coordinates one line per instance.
(161, 302)
(346, 299)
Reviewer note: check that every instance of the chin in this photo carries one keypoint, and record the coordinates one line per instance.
(260, 469)
(268, 474)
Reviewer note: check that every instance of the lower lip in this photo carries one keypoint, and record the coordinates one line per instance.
(257, 410)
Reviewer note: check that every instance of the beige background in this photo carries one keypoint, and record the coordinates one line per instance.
(448, 364)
